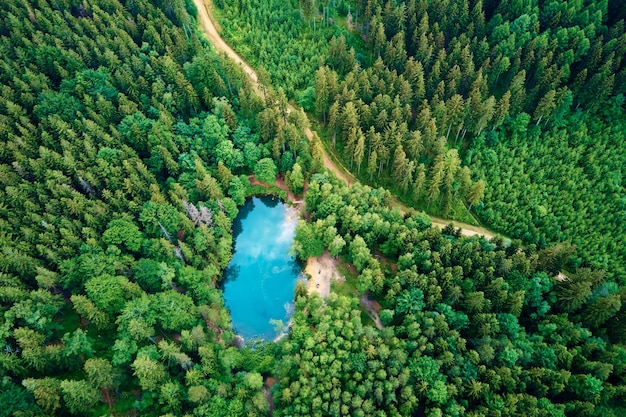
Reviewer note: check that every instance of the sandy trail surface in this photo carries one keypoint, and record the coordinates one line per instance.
(322, 270)
(466, 229)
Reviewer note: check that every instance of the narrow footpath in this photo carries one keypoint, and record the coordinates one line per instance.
(210, 29)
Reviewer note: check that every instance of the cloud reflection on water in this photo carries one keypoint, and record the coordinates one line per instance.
(262, 274)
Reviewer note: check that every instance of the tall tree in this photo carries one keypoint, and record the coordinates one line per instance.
(475, 193)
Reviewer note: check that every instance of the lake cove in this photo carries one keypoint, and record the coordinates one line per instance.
(259, 282)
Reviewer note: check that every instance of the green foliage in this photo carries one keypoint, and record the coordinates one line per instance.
(572, 180)
(265, 171)
(277, 36)
(79, 396)
(151, 275)
(15, 399)
(123, 232)
(466, 326)
(115, 159)
(307, 243)
(149, 372)
(296, 178)
(122, 131)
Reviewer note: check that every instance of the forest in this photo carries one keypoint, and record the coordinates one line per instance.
(454, 105)
(128, 144)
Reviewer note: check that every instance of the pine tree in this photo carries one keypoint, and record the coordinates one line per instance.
(350, 118)
(455, 108)
(476, 193)
(399, 164)
(436, 178)
(419, 183)
(322, 95)
(501, 110)
(415, 145)
(407, 178)
(601, 309)
(359, 151)
(378, 37)
(414, 74)
(333, 121)
(372, 164)
(545, 106)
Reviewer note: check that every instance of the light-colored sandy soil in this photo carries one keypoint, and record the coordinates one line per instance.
(466, 229)
(322, 270)
(561, 277)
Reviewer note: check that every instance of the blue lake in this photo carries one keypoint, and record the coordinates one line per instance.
(261, 277)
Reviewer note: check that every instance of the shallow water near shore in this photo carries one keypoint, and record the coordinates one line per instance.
(259, 282)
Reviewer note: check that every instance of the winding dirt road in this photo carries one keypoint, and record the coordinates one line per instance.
(210, 30)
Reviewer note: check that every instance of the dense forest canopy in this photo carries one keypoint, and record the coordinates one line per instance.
(126, 148)
(470, 327)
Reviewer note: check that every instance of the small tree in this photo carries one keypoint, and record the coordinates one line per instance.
(476, 193)
(296, 179)
(265, 171)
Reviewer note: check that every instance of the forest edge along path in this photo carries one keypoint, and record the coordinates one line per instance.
(210, 30)
(204, 15)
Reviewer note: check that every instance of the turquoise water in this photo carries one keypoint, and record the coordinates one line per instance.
(261, 277)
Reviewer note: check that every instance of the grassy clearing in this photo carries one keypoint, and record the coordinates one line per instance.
(347, 288)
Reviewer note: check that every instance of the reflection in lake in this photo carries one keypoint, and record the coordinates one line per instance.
(261, 276)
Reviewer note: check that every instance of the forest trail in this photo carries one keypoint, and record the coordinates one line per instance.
(210, 30)
(206, 19)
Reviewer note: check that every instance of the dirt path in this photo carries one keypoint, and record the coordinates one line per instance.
(466, 229)
(212, 34)
(280, 183)
(330, 164)
(204, 13)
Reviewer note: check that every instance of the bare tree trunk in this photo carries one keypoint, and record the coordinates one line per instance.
(456, 140)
